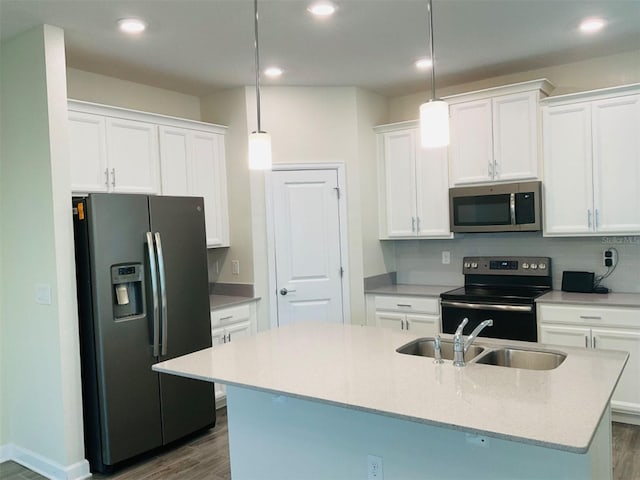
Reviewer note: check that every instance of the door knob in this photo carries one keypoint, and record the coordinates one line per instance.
(284, 291)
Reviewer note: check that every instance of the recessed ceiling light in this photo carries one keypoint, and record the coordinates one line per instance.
(423, 64)
(322, 9)
(273, 72)
(592, 25)
(132, 25)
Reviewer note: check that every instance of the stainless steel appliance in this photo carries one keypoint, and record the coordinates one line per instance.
(510, 207)
(143, 297)
(502, 289)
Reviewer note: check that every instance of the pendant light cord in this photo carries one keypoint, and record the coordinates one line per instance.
(257, 48)
(433, 61)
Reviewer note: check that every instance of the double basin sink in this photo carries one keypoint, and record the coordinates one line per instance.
(512, 357)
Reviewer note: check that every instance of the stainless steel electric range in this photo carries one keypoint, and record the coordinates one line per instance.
(503, 289)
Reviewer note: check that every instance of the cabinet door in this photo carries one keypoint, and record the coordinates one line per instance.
(626, 396)
(238, 330)
(515, 136)
(208, 180)
(399, 174)
(390, 320)
(218, 336)
(432, 193)
(174, 161)
(132, 151)
(423, 325)
(568, 192)
(471, 142)
(564, 335)
(88, 151)
(616, 164)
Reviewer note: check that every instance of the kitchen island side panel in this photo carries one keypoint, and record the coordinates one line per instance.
(281, 437)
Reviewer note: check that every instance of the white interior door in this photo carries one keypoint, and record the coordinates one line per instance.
(307, 246)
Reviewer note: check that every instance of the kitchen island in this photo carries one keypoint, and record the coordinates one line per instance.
(316, 400)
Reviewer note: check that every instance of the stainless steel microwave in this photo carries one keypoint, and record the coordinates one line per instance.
(509, 207)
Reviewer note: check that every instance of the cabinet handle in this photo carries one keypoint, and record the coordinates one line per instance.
(594, 342)
(226, 318)
(490, 170)
(417, 224)
(401, 324)
(403, 305)
(586, 341)
(113, 177)
(589, 218)
(413, 224)
(106, 177)
(597, 220)
(406, 322)
(590, 317)
(496, 172)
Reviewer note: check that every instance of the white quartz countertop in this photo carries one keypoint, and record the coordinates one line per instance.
(593, 299)
(357, 367)
(405, 289)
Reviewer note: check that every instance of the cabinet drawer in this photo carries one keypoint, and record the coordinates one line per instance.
(230, 315)
(586, 315)
(403, 303)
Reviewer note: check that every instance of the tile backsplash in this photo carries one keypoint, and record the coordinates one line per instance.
(420, 261)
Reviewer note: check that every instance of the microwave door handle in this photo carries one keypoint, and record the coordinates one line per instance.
(512, 208)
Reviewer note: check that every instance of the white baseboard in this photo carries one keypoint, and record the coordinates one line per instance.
(45, 466)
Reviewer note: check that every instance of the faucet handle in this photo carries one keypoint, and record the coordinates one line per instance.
(461, 327)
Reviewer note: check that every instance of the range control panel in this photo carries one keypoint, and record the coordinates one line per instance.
(529, 266)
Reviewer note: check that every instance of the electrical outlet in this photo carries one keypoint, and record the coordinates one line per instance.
(374, 468)
(446, 257)
(235, 267)
(610, 257)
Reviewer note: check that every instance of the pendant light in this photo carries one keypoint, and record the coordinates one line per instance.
(259, 141)
(434, 114)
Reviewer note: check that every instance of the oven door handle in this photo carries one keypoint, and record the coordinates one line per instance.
(484, 306)
(512, 208)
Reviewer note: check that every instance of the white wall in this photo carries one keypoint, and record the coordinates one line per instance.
(93, 87)
(600, 72)
(40, 352)
(229, 108)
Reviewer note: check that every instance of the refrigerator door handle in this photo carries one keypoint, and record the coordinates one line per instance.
(154, 289)
(163, 294)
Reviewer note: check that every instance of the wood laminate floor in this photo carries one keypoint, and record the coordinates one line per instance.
(207, 458)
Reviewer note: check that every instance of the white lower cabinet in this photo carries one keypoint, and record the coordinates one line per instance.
(229, 324)
(419, 315)
(603, 329)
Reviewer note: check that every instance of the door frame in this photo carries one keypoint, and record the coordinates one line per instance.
(271, 239)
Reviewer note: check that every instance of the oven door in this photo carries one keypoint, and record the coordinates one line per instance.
(511, 322)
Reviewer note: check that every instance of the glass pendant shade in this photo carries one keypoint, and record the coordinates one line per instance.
(434, 124)
(259, 151)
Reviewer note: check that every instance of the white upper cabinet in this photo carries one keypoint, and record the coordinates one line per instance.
(494, 133)
(132, 156)
(88, 150)
(592, 163)
(125, 151)
(413, 185)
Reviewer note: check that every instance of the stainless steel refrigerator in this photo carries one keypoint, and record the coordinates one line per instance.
(143, 297)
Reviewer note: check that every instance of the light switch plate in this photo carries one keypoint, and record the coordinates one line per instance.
(43, 293)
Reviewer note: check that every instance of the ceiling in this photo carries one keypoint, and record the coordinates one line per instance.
(200, 46)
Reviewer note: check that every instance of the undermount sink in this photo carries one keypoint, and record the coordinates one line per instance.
(526, 359)
(425, 347)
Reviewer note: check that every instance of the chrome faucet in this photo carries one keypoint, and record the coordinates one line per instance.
(460, 346)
